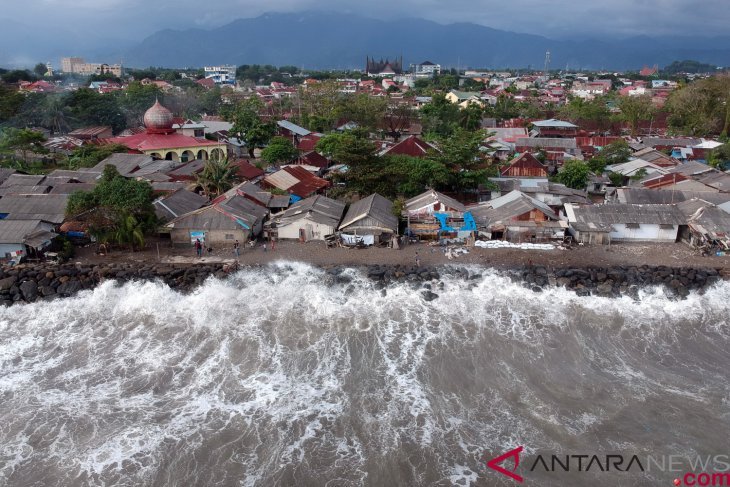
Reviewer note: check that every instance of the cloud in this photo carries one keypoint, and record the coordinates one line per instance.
(560, 18)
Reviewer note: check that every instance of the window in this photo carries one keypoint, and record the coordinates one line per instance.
(230, 236)
(666, 226)
(632, 225)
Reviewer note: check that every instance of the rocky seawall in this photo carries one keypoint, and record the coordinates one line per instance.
(33, 282)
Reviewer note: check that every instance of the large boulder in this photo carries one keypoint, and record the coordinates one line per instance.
(29, 290)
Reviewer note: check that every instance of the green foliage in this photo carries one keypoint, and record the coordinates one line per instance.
(440, 117)
(129, 231)
(366, 111)
(91, 155)
(719, 157)
(595, 110)
(639, 175)
(88, 107)
(635, 109)
(574, 174)
(40, 69)
(616, 179)
(616, 152)
(136, 100)
(217, 177)
(11, 102)
(248, 125)
(460, 154)
(23, 141)
(17, 75)
(279, 150)
(55, 114)
(701, 108)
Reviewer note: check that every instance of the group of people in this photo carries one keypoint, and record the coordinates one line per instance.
(199, 245)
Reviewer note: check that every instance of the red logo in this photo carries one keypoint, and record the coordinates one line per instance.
(494, 463)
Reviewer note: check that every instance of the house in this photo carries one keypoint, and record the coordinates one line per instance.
(20, 238)
(554, 128)
(257, 195)
(313, 159)
(247, 171)
(126, 164)
(554, 195)
(92, 133)
(410, 146)
(642, 196)
(295, 180)
(431, 213)
(517, 217)
(222, 223)
(636, 166)
(48, 208)
(464, 98)
(525, 165)
(178, 203)
(291, 130)
(425, 69)
(708, 226)
(652, 155)
(309, 219)
(555, 147)
(602, 224)
(372, 218)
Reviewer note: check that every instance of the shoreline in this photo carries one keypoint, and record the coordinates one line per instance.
(28, 283)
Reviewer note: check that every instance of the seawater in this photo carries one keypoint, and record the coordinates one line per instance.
(277, 376)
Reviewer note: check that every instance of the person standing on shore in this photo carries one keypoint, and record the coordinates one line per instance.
(273, 244)
(264, 246)
(237, 249)
(198, 247)
(418, 260)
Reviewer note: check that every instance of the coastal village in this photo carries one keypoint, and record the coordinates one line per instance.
(388, 157)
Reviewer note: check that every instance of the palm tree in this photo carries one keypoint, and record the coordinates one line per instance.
(54, 114)
(217, 177)
(129, 231)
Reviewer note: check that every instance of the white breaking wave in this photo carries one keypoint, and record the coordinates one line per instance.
(280, 376)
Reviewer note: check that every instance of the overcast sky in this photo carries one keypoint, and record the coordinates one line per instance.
(556, 18)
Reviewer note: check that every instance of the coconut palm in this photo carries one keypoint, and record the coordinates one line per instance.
(55, 114)
(217, 177)
(129, 231)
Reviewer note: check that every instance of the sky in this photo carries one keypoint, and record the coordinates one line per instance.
(135, 19)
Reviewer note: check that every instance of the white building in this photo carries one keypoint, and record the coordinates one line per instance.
(222, 75)
(425, 69)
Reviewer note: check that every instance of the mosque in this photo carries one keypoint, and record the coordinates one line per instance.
(161, 141)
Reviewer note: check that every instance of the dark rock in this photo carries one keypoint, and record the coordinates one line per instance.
(7, 283)
(429, 296)
(29, 289)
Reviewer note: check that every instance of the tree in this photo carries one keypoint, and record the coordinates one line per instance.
(574, 174)
(55, 114)
(366, 111)
(460, 154)
(109, 206)
(719, 156)
(129, 231)
(23, 141)
(279, 150)
(11, 101)
(217, 177)
(397, 119)
(40, 70)
(248, 125)
(136, 100)
(440, 117)
(320, 105)
(90, 155)
(701, 108)
(88, 107)
(635, 109)
(616, 179)
(616, 152)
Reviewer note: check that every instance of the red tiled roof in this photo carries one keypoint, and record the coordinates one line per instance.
(206, 82)
(145, 141)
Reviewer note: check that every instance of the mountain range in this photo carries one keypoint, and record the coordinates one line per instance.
(328, 40)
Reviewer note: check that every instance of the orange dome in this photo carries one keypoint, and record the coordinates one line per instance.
(158, 119)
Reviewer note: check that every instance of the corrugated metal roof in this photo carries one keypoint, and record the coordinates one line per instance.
(552, 123)
(45, 207)
(281, 179)
(546, 142)
(374, 206)
(318, 208)
(431, 197)
(15, 231)
(293, 128)
(602, 217)
(26, 180)
(507, 207)
(178, 203)
(125, 163)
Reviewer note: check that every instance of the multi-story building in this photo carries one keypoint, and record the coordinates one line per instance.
(222, 75)
(76, 65)
(426, 68)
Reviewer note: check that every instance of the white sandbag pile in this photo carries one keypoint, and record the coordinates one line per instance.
(500, 244)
